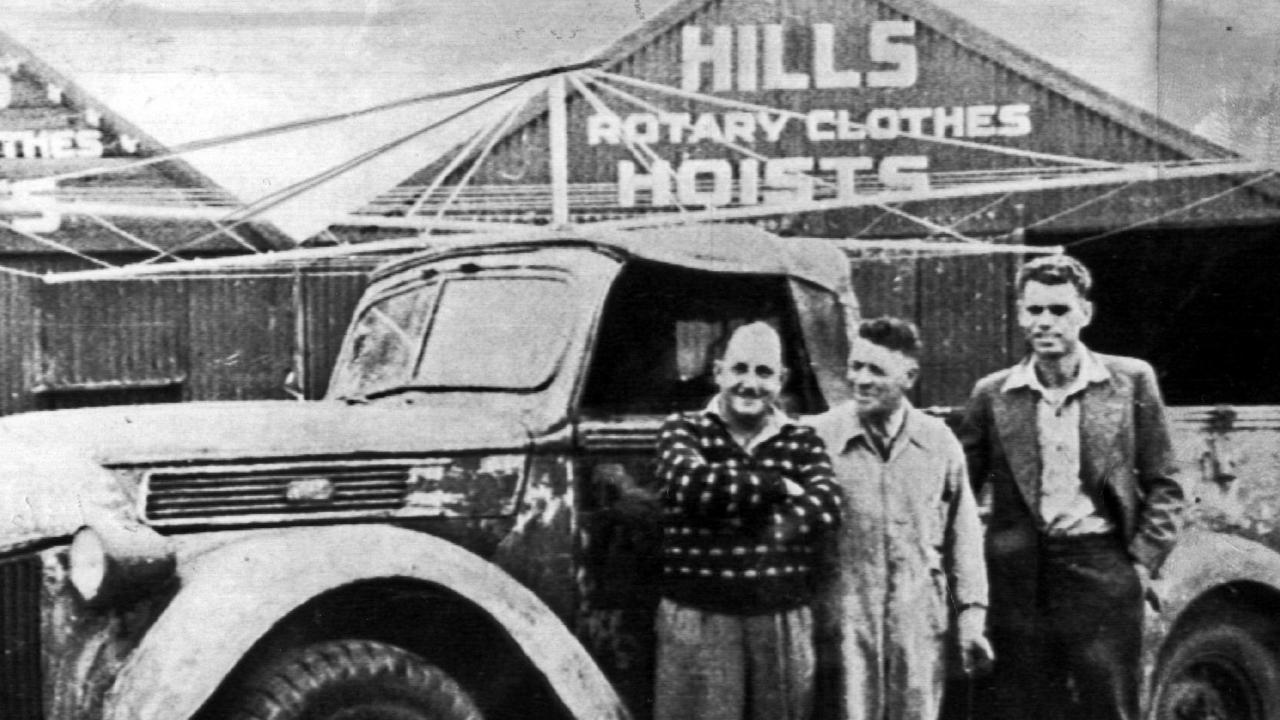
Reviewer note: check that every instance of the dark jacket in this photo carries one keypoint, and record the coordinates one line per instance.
(1126, 460)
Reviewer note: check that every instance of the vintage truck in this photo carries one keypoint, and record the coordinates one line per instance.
(464, 527)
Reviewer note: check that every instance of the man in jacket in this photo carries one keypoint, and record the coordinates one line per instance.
(910, 549)
(747, 495)
(1084, 506)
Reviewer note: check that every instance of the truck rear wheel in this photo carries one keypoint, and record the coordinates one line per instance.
(1223, 670)
(352, 680)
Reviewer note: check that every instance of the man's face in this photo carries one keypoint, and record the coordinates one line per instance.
(879, 377)
(750, 377)
(1052, 317)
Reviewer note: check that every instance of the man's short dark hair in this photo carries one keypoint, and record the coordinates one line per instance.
(893, 333)
(1056, 270)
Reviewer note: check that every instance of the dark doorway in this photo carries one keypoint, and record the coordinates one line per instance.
(1201, 305)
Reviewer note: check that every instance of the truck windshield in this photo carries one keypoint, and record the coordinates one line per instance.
(498, 333)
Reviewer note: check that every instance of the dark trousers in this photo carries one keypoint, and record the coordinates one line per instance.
(1068, 634)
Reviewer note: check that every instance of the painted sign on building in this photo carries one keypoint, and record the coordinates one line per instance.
(846, 93)
(42, 133)
(36, 123)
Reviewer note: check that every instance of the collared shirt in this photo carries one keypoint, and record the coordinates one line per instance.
(883, 441)
(773, 422)
(1065, 506)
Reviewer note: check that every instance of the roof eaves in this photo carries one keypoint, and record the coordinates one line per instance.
(632, 42)
(1058, 80)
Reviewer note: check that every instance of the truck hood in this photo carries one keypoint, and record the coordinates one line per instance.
(55, 474)
(259, 430)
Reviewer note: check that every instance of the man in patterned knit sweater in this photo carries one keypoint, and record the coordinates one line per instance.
(747, 497)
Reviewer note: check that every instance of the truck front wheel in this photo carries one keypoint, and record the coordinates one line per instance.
(1226, 669)
(350, 679)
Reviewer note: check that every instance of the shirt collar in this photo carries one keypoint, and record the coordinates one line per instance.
(774, 423)
(1091, 371)
(897, 419)
(851, 426)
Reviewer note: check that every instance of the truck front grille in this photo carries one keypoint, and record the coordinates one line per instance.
(227, 497)
(20, 676)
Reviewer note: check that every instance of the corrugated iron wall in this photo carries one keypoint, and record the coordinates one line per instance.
(962, 306)
(327, 296)
(20, 326)
(204, 338)
(241, 343)
(109, 332)
(17, 338)
(238, 338)
(965, 317)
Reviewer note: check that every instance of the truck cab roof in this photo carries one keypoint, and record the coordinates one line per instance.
(736, 249)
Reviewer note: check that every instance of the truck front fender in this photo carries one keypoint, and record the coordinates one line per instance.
(232, 595)
(1202, 561)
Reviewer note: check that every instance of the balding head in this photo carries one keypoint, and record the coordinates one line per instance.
(756, 337)
(750, 375)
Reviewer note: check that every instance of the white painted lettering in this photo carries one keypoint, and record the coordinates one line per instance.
(705, 128)
(748, 58)
(882, 124)
(642, 127)
(787, 180)
(825, 74)
(846, 173)
(740, 127)
(687, 185)
(89, 143)
(914, 118)
(1014, 120)
(978, 120)
(693, 55)
(816, 124)
(948, 122)
(773, 125)
(44, 218)
(749, 181)
(676, 123)
(603, 128)
(775, 74)
(901, 55)
(848, 130)
(658, 183)
(902, 172)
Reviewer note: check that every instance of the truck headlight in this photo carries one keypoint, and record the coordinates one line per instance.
(118, 563)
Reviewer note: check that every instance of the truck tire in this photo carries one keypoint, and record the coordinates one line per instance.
(1223, 670)
(350, 679)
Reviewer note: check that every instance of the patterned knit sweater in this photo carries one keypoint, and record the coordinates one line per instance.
(733, 540)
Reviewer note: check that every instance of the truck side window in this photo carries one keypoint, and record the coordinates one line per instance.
(663, 326)
(386, 338)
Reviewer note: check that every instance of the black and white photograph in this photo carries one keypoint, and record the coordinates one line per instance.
(639, 360)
